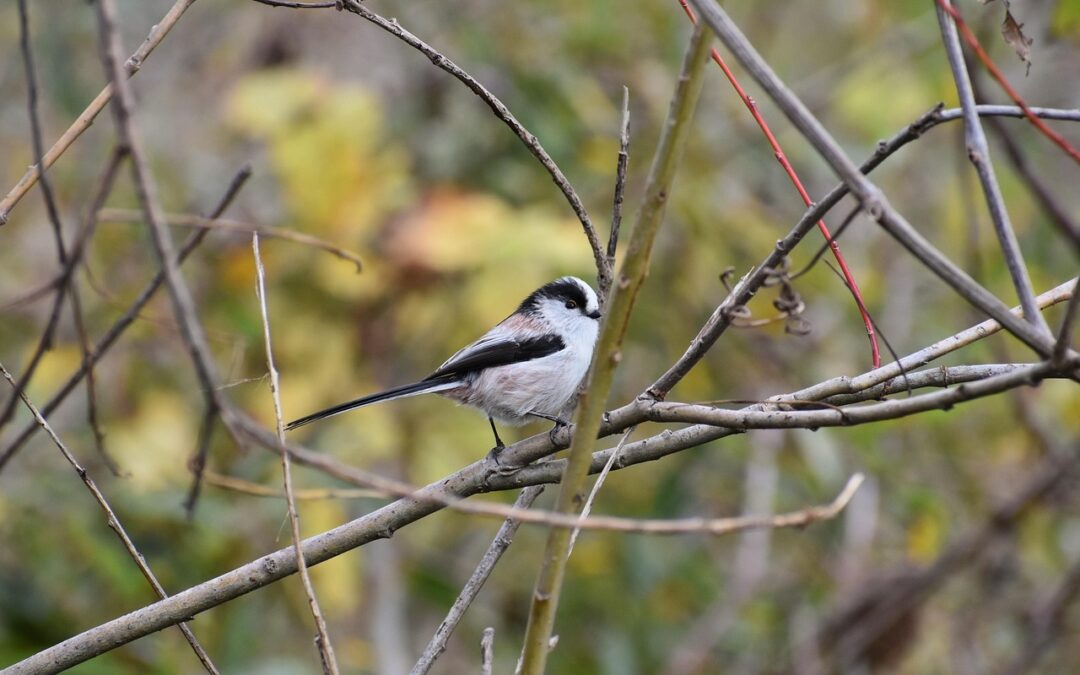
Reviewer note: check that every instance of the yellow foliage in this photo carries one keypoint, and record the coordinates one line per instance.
(155, 441)
(924, 538)
(328, 147)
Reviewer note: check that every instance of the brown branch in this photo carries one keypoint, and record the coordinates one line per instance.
(503, 538)
(227, 225)
(1068, 324)
(869, 195)
(617, 199)
(112, 521)
(487, 651)
(233, 484)
(322, 639)
(320, 548)
(127, 318)
(478, 477)
(86, 118)
(391, 26)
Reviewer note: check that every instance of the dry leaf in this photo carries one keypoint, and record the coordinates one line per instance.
(1014, 36)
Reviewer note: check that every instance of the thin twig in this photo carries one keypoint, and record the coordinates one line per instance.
(869, 195)
(721, 317)
(587, 509)
(503, 113)
(620, 188)
(1068, 324)
(503, 538)
(1059, 215)
(197, 463)
(781, 157)
(978, 151)
(613, 328)
(379, 524)
(487, 651)
(227, 225)
(241, 486)
(128, 317)
(146, 191)
(282, 563)
(973, 42)
(1048, 621)
(326, 650)
(86, 118)
(113, 522)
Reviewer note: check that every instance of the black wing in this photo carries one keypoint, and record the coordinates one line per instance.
(498, 351)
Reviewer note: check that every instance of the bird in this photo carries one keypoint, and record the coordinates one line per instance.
(529, 365)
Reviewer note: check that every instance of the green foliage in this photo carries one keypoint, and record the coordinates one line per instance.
(359, 141)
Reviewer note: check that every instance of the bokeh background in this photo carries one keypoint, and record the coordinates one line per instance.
(356, 139)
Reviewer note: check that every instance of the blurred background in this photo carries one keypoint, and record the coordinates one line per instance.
(356, 139)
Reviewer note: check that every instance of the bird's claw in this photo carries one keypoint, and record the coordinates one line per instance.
(500, 468)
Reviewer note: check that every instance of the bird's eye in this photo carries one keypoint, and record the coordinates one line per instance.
(570, 304)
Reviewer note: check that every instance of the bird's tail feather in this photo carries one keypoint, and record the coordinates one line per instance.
(422, 387)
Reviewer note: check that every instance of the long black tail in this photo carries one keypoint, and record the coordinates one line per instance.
(421, 387)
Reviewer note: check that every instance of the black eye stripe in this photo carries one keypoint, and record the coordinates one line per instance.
(562, 290)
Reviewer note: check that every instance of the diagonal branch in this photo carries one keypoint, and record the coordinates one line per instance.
(86, 118)
(978, 151)
(128, 317)
(503, 538)
(785, 164)
(113, 522)
(391, 26)
(869, 195)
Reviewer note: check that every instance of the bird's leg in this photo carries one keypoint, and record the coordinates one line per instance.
(499, 445)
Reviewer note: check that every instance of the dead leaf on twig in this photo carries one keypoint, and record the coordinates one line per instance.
(1015, 38)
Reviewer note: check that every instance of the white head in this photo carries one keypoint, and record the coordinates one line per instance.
(567, 306)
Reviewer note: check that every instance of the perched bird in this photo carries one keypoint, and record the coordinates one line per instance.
(529, 365)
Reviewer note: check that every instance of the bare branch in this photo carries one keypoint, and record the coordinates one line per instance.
(978, 151)
(375, 525)
(113, 522)
(503, 113)
(587, 509)
(487, 651)
(326, 650)
(86, 118)
(868, 194)
(227, 225)
(608, 345)
(146, 191)
(1068, 324)
(241, 486)
(503, 538)
(1057, 212)
(478, 477)
(721, 318)
(127, 318)
(617, 200)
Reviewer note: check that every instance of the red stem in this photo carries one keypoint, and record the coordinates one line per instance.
(973, 42)
(782, 158)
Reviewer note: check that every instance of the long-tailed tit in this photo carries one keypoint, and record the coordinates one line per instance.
(529, 365)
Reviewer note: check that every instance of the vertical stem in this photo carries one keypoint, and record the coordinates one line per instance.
(978, 151)
(606, 359)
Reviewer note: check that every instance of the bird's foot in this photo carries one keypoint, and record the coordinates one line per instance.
(500, 468)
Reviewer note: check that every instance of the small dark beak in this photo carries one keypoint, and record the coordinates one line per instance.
(594, 315)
